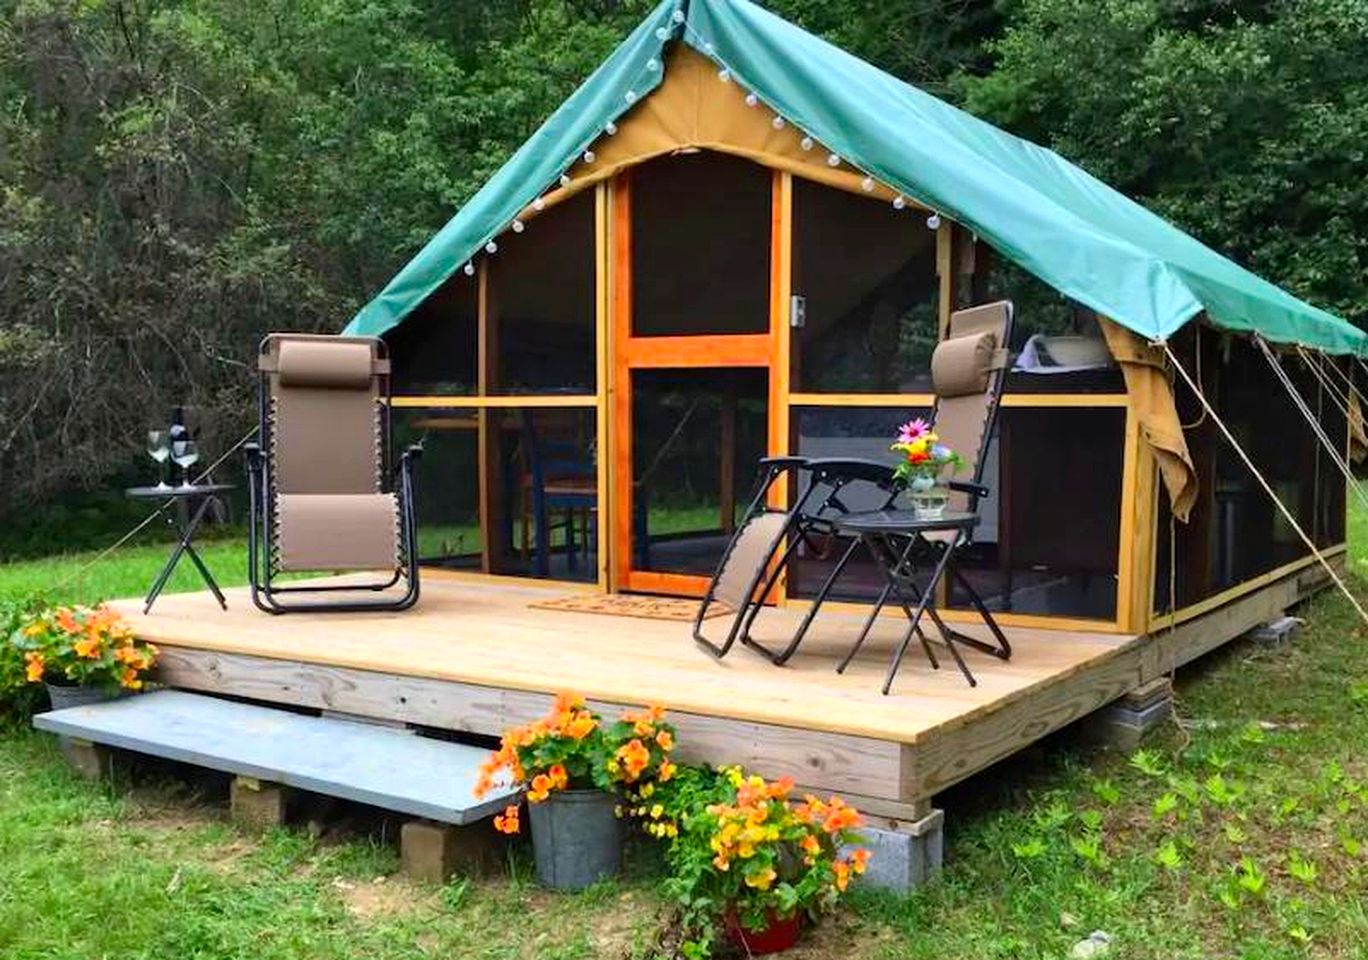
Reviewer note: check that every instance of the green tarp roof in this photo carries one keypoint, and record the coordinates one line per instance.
(1072, 231)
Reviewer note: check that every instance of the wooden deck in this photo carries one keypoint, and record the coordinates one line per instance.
(474, 656)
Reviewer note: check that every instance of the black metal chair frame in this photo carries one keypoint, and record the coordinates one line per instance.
(261, 518)
(803, 528)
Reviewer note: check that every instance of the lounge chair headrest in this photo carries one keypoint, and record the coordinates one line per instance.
(324, 364)
(962, 365)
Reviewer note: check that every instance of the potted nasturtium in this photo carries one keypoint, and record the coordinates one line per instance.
(748, 858)
(82, 655)
(578, 772)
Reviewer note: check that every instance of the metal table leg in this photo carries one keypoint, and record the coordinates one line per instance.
(187, 534)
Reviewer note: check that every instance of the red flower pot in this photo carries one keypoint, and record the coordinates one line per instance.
(779, 933)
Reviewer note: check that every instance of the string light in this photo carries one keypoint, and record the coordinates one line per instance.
(491, 247)
(724, 75)
(933, 222)
(708, 49)
(662, 33)
(469, 269)
(751, 99)
(589, 156)
(867, 184)
(565, 180)
(899, 202)
(653, 64)
(677, 16)
(611, 128)
(833, 160)
(806, 143)
(630, 96)
(777, 123)
(519, 226)
(538, 204)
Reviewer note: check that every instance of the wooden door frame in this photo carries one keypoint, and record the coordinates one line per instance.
(768, 351)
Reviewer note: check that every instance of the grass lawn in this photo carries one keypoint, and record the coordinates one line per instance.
(1240, 832)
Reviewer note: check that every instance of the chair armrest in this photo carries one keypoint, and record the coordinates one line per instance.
(973, 489)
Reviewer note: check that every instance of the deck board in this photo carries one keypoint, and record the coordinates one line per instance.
(486, 634)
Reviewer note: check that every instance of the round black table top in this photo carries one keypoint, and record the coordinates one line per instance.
(177, 490)
(904, 522)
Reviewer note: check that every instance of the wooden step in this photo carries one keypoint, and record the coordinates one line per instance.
(368, 764)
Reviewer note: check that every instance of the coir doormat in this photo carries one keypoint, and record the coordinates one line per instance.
(631, 605)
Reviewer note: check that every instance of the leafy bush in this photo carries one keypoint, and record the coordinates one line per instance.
(18, 698)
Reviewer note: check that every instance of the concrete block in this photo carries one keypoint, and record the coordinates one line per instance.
(1278, 632)
(256, 804)
(906, 858)
(435, 852)
(1123, 727)
(90, 760)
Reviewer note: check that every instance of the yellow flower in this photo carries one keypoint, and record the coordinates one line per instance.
(647, 790)
(761, 879)
(667, 770)
(88, 647)
(656, 811)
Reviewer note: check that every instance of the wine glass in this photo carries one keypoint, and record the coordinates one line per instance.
(185, 453)
(159, 448)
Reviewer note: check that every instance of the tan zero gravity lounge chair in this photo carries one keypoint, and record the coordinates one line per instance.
(323, 494)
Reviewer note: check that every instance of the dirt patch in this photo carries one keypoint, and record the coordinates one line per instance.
(381, 897)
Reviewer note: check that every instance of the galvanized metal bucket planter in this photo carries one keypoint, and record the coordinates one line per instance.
(63, 696)
(576, 838)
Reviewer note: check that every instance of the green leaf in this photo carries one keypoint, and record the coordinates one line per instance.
(1167, 856)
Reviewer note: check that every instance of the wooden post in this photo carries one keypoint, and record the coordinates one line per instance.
(604, 441)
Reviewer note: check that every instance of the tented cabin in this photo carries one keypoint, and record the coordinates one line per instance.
(736, 241)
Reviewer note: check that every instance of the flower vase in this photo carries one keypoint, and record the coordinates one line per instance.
(928, 496)
(576, 838)
(778, 934)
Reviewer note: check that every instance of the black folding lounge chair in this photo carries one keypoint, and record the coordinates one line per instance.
(323, 496)
(968, 370)
(767, 539)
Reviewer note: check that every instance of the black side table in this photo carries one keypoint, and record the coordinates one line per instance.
(192, 503)
(897, 539)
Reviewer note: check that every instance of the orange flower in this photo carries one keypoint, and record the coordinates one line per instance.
(664, 740)
(859, 860)
(540, 789)
(507, 822)
(667, 770)
(559, 778)
(67, 622)
(635, 758)
(841, 870)
(841, 818)
(810, 845)
(129, 679)
(88, 647)
(581, 725)
(34, 666)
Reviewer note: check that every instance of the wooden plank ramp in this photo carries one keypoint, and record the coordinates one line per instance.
(383, 767)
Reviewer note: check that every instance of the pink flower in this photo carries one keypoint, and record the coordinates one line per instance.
(912, 429)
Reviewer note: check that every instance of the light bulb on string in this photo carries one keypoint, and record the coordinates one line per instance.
(653, 64)
(519, 226)
(611, 128)
(677, 16)
(491, 247)
(469, 269)
(589, 156)
(708, 49)
(806, 143)
(777, 123)
(867, 184)
(630, 96)
(933, 222)
(751, 99)
(662, 33)
(833, 160)
(538, 204)
(724, 75)
(899, 202)
(565, 180)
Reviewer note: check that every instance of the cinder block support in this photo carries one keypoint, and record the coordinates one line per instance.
(1124, 724)
(256, 804)
(906, 857)
(1277, 632)
(434, 852)
(90, 760)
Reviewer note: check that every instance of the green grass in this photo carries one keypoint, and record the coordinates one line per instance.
(1242, 832)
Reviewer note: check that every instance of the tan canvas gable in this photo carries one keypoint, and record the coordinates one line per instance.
(693, 109)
